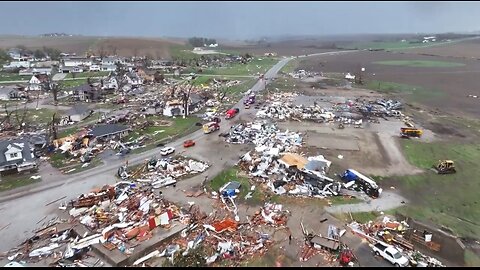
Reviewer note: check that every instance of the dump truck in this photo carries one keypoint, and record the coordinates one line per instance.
(410, 132)
(231, 113)
(210, 127)
(445, 167)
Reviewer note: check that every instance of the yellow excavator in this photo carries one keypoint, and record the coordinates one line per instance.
(445, 167)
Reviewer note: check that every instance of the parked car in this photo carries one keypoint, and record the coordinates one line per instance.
(188, 143)
(391, 254)
(167, 151)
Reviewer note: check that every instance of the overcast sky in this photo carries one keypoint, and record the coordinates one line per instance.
(236, 20)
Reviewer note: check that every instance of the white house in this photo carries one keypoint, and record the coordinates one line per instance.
(173, 108)
(34, 71)
(133, 79)
(77, 61)
(94, 68)
(19, 63)
(110, 83)
(112, 60)
(108, 68)
(39, 82)
(16, 154)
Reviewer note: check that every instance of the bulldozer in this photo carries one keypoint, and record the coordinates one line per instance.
(445, 167)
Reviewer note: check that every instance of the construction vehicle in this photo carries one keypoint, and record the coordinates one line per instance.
(210, 127)
(445, 167)
(410, 132)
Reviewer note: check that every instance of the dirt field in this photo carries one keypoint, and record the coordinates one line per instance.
(285, 48)
(65, 44)
(465, 49)
(125, 46)
(157, 48)
(446, 89)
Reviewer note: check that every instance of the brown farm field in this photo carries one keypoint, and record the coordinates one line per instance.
(156, 47)
(65, 44)
(465, 49)
(441, 88)
(284, 48)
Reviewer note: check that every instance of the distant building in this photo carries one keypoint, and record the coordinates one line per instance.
(22, 62)
(112, 60)
(35, 71)
(108, 67)
(94, 68)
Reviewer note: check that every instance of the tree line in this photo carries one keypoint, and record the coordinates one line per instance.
(199, 41)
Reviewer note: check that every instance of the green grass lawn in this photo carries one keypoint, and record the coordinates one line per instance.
(411, 92)
(336, 200)
(88, 74)
(233, 174)
(447, 200)
(4, 77)
(419, 63)
(388, 45)
(65, 85)
(251, 68)
(242, 87)
(14, 181)
(40, 116)
(361, 217)
(202, 80)
(180, 126)
(183, 52)
(290, 66)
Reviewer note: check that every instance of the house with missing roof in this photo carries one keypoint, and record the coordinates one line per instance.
(16, 155)
(39, 82)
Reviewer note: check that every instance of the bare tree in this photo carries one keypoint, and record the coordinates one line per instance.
(135, 52)
(101, 51)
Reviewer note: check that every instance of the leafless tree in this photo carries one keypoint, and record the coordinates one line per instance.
(101, 51)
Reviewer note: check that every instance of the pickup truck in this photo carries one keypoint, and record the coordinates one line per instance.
(390, 253)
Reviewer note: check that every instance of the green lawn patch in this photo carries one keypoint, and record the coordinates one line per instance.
(88, 74)
(5, 77)
(389, 45)
(447, 200)
(471, 258)
(242, 87)
(290, 66)
(411, 92)
(257, 65)
(361, 217)
(233, 174)
(202, 80)
(180, 126)
(336, 200)
(65, 85)
(14, 181)
(419, 63)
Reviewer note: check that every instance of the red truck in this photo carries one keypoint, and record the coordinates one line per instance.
(231, 113)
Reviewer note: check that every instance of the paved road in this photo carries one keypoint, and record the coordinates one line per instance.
(33, 209)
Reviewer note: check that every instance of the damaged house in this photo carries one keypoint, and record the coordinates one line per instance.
(109, 131)
(16, 155)
(132, 79)
(110, 83)
(39, 82)
(77, 113)
(86, 92)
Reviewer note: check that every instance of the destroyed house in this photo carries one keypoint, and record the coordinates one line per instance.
(293, 161)
(86, 92)
(16, 155)
(109, 131)
(78, 113)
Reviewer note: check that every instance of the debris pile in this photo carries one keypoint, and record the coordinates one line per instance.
(158, 173)
(300, 74)
(402, 237)
(264, 135)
